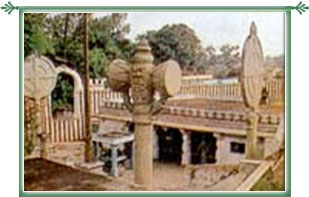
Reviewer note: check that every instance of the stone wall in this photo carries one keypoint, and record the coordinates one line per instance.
(225, 155)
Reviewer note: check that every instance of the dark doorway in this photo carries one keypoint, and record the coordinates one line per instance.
(203, 148)
(130, 127)
(170, 143)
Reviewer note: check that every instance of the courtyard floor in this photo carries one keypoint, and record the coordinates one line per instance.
(62, 173)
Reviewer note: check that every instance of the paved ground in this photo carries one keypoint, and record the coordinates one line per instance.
(173, 177)
(42, 175)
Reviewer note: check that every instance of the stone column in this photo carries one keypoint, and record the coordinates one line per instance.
(260, 148)
(144, 81)
(155, 145)
(41, 134)
(219, 145)
(143, 155)
(132, 155)
(186, 147)
(251, 148)
(114, 160)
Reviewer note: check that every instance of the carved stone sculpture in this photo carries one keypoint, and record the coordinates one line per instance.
(252, 83)
(138, 81)
(40, 78)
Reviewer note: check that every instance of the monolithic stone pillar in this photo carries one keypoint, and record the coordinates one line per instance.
(251, 148)
(252, 84)
(143, 155)
(186, 147)
(143, 80)
(39, 80)
(260, 148)
(155, 145)
(219, 145)
(114, 160)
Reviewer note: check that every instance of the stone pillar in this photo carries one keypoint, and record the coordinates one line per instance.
(144, 81)
(41, 133)
(252, 84)
(132, 155)
(251, 149)
(143, 155)
(260, 148)
(155, 145)
(219, 145)
(114, 160)
(186, 148)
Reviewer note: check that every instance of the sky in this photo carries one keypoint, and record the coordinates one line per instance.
(217, 28)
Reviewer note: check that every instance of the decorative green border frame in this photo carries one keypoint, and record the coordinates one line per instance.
(300, 8)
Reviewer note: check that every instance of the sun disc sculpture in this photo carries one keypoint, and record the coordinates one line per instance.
(40, 78)
(252, 83)
(138, 81)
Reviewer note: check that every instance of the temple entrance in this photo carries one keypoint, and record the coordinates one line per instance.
(203, 148)
(169, 143)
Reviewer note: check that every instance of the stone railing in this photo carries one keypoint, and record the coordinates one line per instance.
(230, 92)
(226, 92)
(67, 130)
(100, 93)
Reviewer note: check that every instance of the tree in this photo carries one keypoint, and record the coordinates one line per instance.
(228, 61)
(177, 41)
(224, 64)
(60, 37)
(62, 95)
(35, 31)
(205, 60)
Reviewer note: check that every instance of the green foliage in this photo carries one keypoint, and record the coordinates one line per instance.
(62, 95)
(98, 63)
(67, 34)
(95, 128)
(225, 63)
(35, 35)
(177, 41)
(271, 181)
(60, 36)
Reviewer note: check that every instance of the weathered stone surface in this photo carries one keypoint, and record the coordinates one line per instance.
(118, 75)
(252, 83)
(40, 77)
(252, 76)
(167, 78)
(144, 81)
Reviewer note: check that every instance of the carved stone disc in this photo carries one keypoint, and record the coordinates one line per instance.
(118, 75)
(167, 78)
(252, 76)
(40, 77)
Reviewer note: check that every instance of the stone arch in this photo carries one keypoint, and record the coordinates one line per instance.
(78, 87)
